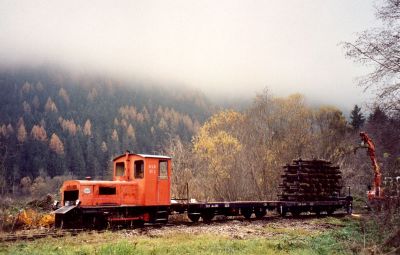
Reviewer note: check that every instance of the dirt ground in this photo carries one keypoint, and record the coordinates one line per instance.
(242, 229)
(232, 227)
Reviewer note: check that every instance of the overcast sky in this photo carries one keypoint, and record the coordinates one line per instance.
(218, 46)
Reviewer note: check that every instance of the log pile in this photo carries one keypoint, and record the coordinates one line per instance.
(310, 180)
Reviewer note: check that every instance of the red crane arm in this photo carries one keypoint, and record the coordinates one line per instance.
(367, 143)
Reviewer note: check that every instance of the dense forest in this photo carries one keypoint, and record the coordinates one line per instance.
(59, 123)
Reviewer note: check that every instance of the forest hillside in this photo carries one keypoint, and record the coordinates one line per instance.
(56, 123)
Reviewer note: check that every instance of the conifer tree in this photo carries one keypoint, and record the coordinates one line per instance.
(357, 119)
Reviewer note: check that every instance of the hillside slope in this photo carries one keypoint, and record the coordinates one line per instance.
(55, 122)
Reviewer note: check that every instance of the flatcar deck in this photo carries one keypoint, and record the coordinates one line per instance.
(207, 210)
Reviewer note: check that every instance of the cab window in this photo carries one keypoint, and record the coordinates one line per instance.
(139, 169)
(119, 169)
(163, 169)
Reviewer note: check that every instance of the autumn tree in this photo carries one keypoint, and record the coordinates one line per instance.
(39, 86)
(56, 144)
(26, 106)
(114, 143)
(56, 163)
(329, 136)
(217, 145)
(21, 132)
(184, 165)
(50, 106)
(64, 95)
(38, 150)
(36, 102)
(27, 87)
(68, 125)
(276, 131)
(38, 133)
(87, 128)
(92, 95)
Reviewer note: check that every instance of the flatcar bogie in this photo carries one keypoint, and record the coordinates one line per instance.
(260, 212)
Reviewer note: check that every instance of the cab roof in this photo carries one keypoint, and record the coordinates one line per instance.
(143, 156)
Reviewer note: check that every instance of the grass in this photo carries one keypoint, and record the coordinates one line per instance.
(343, 238)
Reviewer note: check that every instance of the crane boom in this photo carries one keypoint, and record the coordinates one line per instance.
(367, 143)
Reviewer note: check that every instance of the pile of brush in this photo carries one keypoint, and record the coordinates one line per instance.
(310, 180)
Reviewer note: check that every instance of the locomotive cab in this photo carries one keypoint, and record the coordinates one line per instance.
(150, 173)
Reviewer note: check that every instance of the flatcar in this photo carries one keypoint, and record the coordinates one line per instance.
(140, 193)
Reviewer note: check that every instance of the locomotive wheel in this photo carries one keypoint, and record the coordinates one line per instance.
(246, 213)
(89, 221)
(100, 222)
(138, 223)
(193, 217)
(207, 216)
(260, 212)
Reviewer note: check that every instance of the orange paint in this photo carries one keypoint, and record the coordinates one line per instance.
(138, 180)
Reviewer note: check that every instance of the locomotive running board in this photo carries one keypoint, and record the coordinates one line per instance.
(64, 209)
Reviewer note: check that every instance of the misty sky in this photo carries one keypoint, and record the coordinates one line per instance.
(218, 46)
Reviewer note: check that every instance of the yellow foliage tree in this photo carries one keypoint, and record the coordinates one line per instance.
(218, 146)
(56, 144)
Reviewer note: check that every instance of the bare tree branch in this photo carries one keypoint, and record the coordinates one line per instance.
(380, 48)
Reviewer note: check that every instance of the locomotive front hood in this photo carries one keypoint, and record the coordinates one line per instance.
(93, 193)
(76, 184)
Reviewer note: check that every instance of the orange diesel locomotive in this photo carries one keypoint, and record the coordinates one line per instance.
(138, 193)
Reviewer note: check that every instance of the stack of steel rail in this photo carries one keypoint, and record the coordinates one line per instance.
(310, 180)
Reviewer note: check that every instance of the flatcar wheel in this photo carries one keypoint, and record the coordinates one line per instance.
(193, 217)
(207, 216)
(282, 211)
(246, 213)
(330, 211)
(295, 213)
(260, 212)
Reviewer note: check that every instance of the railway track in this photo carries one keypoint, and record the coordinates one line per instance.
(31, 235)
